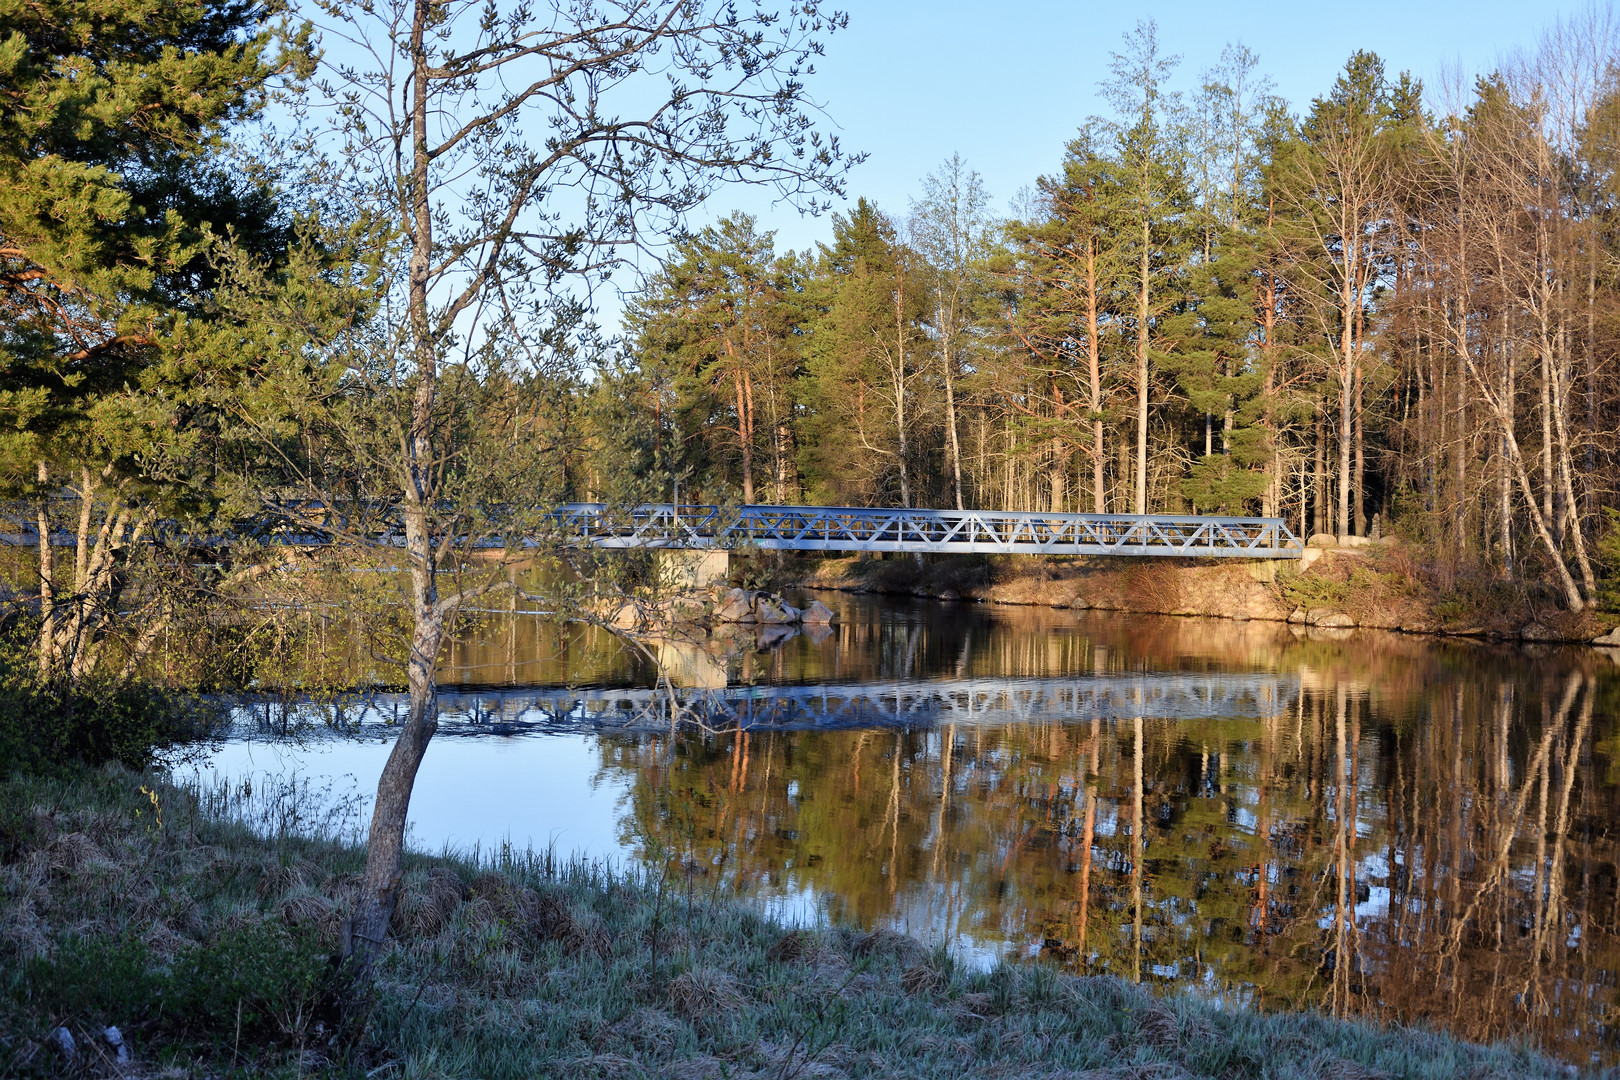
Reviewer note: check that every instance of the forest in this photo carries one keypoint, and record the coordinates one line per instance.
(1394, 310)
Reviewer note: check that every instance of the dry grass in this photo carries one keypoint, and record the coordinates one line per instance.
(529, 968)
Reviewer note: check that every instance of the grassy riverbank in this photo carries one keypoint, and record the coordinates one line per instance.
(1385, 585)
(128, 902)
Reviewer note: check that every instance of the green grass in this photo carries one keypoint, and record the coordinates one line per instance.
(206, 942)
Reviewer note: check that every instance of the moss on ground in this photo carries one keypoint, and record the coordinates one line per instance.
(207, 943)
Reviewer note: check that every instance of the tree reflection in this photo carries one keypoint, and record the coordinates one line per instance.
(1425, 836)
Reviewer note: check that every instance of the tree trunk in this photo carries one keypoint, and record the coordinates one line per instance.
(385, 848)
(1099, 499)
(47, 580)
(385, 843)
(952, 442)
(1142, 378)
(899, 370)
(1319, 485)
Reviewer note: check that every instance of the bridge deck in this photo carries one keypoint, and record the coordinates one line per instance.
(843, 528)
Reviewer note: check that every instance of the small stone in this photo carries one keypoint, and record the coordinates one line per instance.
(61, 1040)
(948, 594)
(115, 1039)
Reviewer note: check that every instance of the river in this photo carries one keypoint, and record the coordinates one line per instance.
(1363, 823)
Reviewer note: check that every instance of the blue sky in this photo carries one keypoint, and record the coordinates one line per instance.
(912, 82)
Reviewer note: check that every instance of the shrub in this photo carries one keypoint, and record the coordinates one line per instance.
(262, 982)
(45, 726)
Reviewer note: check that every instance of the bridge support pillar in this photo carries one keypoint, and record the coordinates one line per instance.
(1262, 570)
(692, 569)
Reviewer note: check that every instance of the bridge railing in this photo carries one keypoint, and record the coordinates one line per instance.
(843, 528)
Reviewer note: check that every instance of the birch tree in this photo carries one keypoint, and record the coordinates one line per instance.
(1150, 148)
(499, 152)
(953, 230)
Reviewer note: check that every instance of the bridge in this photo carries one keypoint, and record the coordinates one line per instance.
(844, 528)
(909, 704)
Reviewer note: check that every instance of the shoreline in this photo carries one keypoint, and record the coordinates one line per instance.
(1372, 587)
(522, 965)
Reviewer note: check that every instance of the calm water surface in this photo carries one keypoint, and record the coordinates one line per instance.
(1362, 823)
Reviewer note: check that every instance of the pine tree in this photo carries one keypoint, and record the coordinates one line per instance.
(867, 356)
(111, 199)
(715, 318)
(1064, 271)
(1152, 208)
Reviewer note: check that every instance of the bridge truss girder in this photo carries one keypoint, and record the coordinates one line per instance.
(842, 528)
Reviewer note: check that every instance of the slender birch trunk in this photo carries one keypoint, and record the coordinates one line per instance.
(385, 846)
(1142, 375)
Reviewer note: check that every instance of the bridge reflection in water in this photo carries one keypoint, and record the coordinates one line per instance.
(911, 704)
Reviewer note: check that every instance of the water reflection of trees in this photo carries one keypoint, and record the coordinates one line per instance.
(1424, 837)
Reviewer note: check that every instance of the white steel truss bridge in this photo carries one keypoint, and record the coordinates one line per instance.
(844, 528)
(894, 703)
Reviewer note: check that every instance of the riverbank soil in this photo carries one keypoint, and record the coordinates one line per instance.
(147, 932)
(1381, 584)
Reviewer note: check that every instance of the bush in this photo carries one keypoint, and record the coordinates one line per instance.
(45, 727)
(1608, 558)
(260, 982)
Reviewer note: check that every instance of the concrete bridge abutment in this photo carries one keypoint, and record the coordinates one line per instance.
(688, 569)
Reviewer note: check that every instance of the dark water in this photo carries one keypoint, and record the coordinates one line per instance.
(1363, 823)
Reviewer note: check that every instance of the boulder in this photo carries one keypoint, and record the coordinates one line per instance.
(1297, 616)
(1611, 638)
(1323, 540)
(1335, 620)
(736, 607)
(773, 611)
(819, 614)
(626, 617)
(687, 608)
